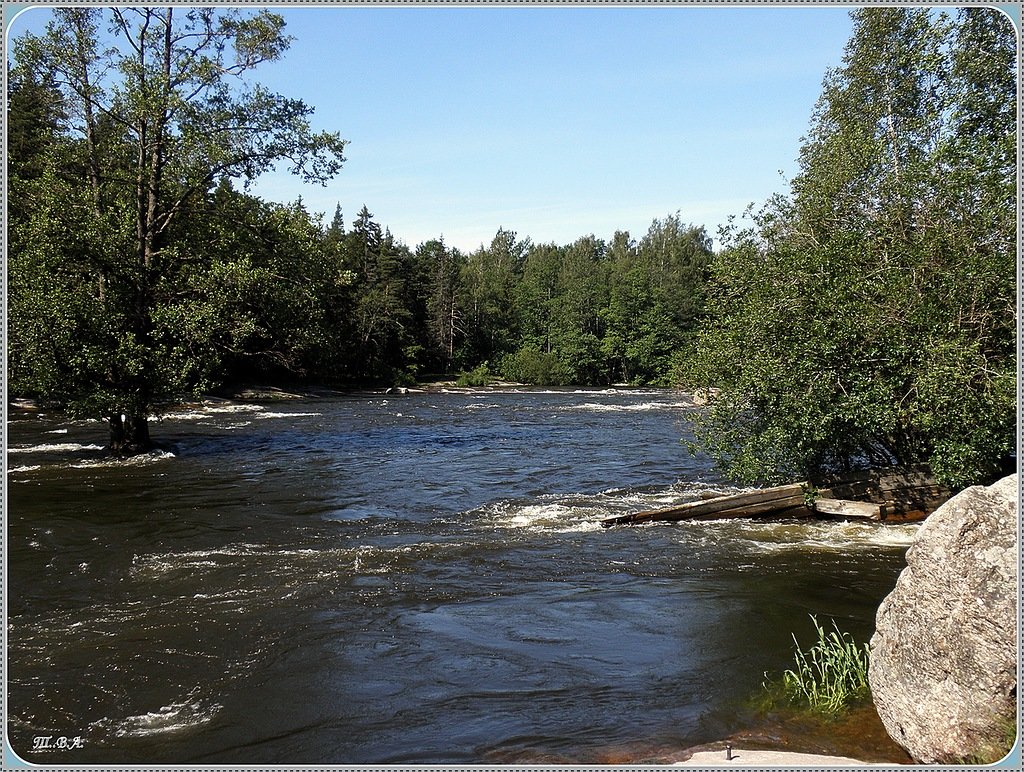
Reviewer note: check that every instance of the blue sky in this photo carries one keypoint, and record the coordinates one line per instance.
(554, 122)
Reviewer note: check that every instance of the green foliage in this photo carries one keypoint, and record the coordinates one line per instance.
(810, 494)
(118, 146)
(489, 279)
(582, 313)
(538, 368)
(657, 297)
(479, 376)
(830, 676)
(442, 314)
(869, 318)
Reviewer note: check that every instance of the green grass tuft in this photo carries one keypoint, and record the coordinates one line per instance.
(830, 676)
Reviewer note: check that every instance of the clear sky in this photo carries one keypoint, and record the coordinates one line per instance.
(554, 122)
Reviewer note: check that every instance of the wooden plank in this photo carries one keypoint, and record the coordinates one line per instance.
(770, 508)
(893, 495)
(845, 508)
(911, 516)
(752, 502)
(909, 475)
(872, 492)
(894, 478)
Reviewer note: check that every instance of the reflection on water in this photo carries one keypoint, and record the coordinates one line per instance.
(416, 578)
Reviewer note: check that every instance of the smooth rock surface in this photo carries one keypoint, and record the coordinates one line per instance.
(755, 758)
(943, 669)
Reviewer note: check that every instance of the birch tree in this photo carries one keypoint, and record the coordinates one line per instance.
(868, 317)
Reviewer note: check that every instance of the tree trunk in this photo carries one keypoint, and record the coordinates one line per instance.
(129, 435)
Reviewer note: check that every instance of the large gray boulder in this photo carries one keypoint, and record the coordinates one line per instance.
(943, 669)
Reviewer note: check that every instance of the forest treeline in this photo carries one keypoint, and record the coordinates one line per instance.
(242, 290)
(868, 316)
(271, 293)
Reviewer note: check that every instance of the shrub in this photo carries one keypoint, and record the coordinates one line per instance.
(528, 365)
(478, 376)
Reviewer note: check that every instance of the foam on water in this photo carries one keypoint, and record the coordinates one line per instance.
(265, 415)
(143, 459)
(294, 565)
(484, 391)
(581, 527)
(172, 561)
(209, 411)
(61, 447)
(194, 415)
(178, 716)
(773, 536)
(28, 468)
(559, 514)
(844, 536)
(639, 407)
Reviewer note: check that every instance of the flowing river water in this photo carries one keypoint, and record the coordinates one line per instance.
(397, 579)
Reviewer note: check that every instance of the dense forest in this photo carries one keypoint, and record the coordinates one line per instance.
(867, 317)
(118, 296)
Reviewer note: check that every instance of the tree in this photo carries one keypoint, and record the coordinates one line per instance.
(384, 319)
(159, 110)
(538, 295)
(265, 296)
(442, 267)
(490, 276)
(868, 317)
(656, 298)
(578, 324)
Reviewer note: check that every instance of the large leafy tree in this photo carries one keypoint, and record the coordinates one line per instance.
(868, 318)
(151, 107)
(265, 295)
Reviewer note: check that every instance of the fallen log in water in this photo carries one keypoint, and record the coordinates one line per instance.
(766, 501)
(889, 495)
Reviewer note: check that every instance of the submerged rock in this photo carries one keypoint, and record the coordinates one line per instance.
(943, 669)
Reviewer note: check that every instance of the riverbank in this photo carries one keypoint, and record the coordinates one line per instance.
(736, 757)
(858, 735)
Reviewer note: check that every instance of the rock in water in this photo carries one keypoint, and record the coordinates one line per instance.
(943, 669)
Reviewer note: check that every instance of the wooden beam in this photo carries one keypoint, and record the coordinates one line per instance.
(911, 516)
(892, 495)
(765, 500)
(866, 510)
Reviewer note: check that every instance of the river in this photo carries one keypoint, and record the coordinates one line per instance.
(398, 579)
